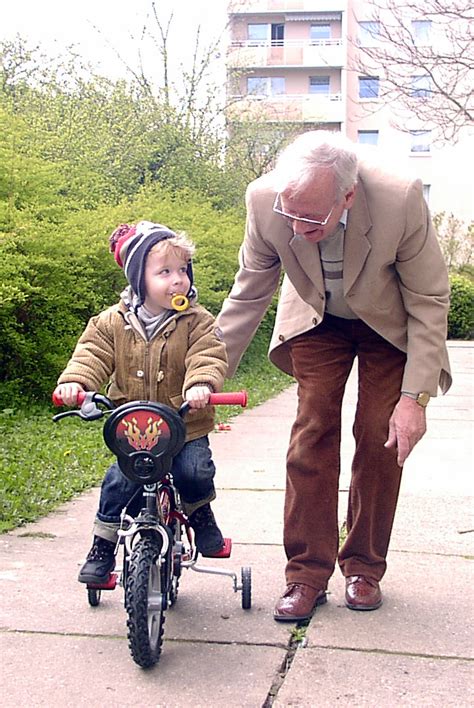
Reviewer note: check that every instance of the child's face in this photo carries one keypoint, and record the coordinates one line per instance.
(165, 276)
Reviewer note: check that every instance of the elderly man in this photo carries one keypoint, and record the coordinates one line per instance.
(365, 278)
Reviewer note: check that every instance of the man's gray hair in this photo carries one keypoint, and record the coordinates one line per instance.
(309, 152)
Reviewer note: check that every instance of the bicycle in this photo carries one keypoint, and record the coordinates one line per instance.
(158, 542)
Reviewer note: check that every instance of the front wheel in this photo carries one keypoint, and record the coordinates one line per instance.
(145, 602)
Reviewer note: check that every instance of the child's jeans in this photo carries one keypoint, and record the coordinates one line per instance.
(193, 473)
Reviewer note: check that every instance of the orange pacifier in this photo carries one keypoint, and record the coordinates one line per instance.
(179, 303)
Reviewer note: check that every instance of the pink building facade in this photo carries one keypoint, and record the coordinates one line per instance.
(296, 61)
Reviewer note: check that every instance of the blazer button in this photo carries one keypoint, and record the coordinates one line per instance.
(161, 376)
(315, 321)
(281, 338)
(321, 296)
(140, 374)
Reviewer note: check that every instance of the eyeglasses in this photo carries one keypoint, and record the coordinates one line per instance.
(278, 210)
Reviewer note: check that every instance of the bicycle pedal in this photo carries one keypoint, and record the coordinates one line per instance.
(109, 584)
(225, 551)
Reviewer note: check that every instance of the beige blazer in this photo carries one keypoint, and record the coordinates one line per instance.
(394, 277)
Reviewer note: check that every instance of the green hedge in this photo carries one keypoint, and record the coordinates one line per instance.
(461, 312)
(53, 277)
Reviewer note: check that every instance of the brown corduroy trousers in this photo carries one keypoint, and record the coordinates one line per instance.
(322, 360)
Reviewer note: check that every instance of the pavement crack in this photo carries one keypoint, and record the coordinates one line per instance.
(296, 641)
(389, 652)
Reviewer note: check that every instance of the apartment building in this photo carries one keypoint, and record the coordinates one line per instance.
(298, 62)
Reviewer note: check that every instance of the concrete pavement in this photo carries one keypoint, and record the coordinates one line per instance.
(416, 650)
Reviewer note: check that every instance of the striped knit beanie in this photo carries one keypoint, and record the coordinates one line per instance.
(131, 245)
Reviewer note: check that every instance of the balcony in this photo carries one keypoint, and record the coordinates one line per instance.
(279, 6)
(298, 108)
(251, 54)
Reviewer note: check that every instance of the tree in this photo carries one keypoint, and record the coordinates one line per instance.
(424, 50)
(456, 240)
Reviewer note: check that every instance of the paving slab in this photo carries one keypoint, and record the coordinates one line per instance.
(428, 610)
(53, 670)
(330, 677)
(415, 650)
(430, 524)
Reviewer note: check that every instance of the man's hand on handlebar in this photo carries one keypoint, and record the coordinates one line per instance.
(68, 393)
(198, 396)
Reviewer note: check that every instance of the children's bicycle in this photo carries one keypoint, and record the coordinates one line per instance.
(157, 543)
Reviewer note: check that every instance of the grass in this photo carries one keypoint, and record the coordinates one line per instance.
(43, 464)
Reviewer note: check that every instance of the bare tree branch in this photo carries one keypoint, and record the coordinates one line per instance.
(445, 61)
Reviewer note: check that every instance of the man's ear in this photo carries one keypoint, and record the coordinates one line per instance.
(349, 197)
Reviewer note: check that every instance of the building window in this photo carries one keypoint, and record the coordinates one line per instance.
(319, 84)
(265, 85)
(426, 192)
(368, 137)
(278, 35)
(258, 34)
(368, 86)
(369, 34)
(262, 33)
(421, 86)
(319, 32)
(421, 32)
(420, 140)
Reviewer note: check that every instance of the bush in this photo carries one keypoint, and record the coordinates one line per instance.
(55, 276)
(461, 312)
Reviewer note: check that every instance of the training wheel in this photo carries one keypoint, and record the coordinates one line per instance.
(93, 595)
(246, 575)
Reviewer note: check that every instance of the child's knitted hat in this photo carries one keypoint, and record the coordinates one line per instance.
(131, 245)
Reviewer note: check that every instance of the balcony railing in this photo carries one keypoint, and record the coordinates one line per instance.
(298, 52)
(278, 6)
(328, 108)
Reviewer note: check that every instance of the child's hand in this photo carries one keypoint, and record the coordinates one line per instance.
(198, 396)
(68, 393)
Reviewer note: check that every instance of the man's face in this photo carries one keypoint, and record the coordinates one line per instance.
(317, 201)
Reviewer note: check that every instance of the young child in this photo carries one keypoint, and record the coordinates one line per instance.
(146, 350)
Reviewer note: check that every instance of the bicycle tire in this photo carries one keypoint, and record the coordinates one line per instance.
(246, 575)
(145, 602)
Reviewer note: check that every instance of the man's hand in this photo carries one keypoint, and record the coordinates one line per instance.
(406, 427)
(68, 393)
(198, 396)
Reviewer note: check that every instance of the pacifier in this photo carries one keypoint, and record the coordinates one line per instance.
(179, 303)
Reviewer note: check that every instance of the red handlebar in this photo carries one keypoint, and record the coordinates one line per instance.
(234, 398)
(58, 401)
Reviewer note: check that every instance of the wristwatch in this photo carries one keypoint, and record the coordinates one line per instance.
(422, 398)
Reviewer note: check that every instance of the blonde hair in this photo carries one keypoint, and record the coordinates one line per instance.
(179, 245)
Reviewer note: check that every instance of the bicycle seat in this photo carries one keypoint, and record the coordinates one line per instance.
(145, 437)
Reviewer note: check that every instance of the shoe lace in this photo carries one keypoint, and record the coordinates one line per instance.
(101, 549)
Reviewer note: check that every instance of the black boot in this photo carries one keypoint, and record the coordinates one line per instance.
(99, 563)
(207, 535)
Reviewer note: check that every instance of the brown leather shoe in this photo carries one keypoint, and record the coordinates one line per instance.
(362, 593)
(298, 602)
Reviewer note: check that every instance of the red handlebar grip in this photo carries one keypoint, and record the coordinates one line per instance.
(58, 401)
(231, 398)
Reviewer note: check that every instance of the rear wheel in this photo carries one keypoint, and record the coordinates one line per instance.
(177, 559)
(146, 602)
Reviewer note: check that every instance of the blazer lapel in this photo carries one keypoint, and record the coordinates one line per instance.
(356, 244)
(307, 255)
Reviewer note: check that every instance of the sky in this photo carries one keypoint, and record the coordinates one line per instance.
(100, 28)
